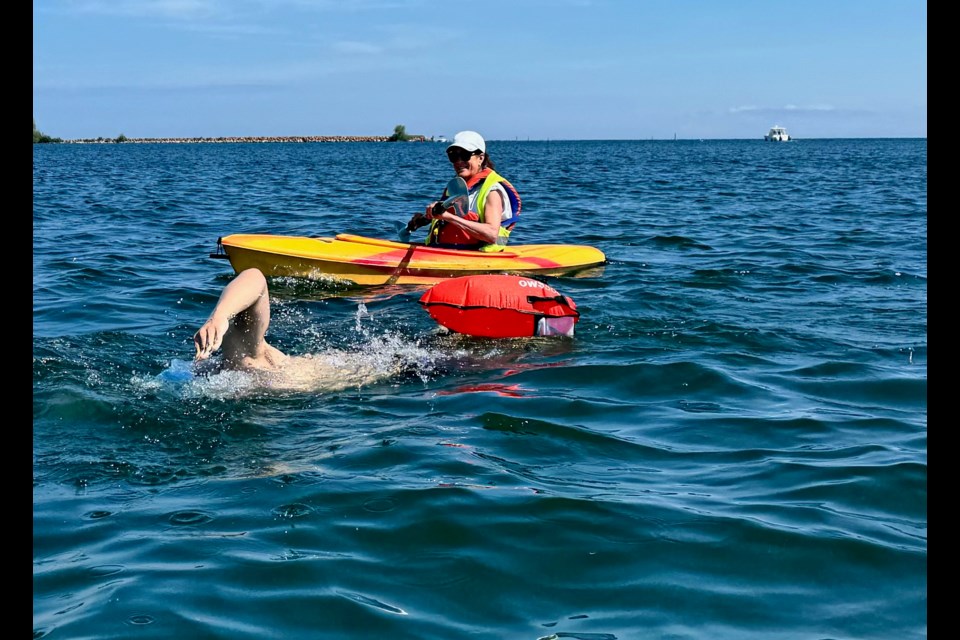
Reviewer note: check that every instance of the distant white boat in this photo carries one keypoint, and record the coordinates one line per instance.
(441, 139)
(777, 134)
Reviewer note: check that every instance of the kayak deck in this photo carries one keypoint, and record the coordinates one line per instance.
(359, 260)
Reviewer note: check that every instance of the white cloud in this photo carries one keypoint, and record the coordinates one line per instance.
(812, 108)
(792, 108)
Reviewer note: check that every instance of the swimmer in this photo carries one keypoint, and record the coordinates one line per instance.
(238, 326)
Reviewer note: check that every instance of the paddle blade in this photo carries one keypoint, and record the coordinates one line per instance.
(403, 233)
(457, 198)
(456, 187)
(460, 204)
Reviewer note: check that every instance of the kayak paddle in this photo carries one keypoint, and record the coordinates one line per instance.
(457, 199)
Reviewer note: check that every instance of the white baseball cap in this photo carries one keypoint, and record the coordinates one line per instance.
(469, 140)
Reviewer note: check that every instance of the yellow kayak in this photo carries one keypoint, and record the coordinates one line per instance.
(358, 260)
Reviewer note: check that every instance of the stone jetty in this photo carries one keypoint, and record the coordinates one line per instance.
(125, 140)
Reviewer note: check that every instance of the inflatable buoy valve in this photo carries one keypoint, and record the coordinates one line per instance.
(558, 326)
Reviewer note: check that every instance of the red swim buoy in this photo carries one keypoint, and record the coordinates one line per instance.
(500, 306)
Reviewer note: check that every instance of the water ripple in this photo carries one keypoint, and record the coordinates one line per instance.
(739, 422)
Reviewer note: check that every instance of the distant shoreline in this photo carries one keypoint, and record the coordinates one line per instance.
(225, 139)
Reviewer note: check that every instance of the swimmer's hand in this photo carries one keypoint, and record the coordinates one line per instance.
(210, 336)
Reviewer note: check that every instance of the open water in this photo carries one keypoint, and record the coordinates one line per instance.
(732, 446)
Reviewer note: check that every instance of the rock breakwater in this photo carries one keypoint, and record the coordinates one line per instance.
(125, 140)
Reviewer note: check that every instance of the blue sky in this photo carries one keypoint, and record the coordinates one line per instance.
(517, 69)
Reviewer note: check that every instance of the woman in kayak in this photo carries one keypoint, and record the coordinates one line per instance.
(238, 326)
(494, 202)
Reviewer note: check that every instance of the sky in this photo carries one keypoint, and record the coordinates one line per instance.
(509, 69)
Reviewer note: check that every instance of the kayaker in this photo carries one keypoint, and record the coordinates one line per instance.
(494, 202)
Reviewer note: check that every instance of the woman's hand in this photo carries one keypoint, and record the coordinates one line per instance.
(429, 211)
(418, 220)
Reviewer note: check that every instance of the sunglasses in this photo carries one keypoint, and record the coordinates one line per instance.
(457, 154)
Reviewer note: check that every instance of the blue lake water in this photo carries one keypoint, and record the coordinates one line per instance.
(733, 445)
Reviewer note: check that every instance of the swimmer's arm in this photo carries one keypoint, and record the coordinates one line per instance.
(241, 294)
